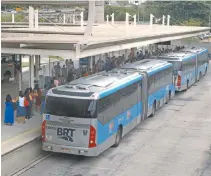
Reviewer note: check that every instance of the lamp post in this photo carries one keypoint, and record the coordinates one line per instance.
(127, 21)
(107, 19)
(134, 19)
(82, 19)
(164, 17)
(151, 20)
(168, 20)
(112, 18)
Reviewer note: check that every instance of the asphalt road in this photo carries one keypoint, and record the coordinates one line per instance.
(176, 142)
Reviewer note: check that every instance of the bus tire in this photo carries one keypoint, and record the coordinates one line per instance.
(168, 97)
(118, 137)
(187, 85)
(200, 75)
(153, 109)
(205, 71)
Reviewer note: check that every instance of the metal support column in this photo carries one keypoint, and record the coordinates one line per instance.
(49, 67)
(31, 71)
(36, 18)
(126, 54)
(91, 63)
(31, 17)
(37, 67)
(13, 18)
(64, 18)
(91, 17)
(20, 74)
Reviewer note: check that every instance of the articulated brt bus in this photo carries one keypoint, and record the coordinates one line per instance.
(202, 61)
(184, 65)
(159, 78)
(91, 114)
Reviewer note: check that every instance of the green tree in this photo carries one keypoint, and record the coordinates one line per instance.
(192, 22)
(180, 11)
(119, 12)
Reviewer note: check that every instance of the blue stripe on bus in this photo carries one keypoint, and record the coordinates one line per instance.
(188, 75)
(160, 69)
(105, 131)
(202, 68)
(112, 90)
(189, 58)
(158, 95)
(204, 51)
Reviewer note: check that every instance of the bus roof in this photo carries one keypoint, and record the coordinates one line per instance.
(177, 56)
(97, 83)
(148, 65)
(195, 50)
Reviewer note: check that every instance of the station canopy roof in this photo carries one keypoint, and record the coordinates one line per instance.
(70, 40)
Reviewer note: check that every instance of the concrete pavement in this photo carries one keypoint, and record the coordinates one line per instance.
(176, 142)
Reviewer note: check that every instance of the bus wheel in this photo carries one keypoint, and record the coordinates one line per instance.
(200, 75)
(118, 137)
(168, 97)
(153, 109)
(205, 71)
(187, 85)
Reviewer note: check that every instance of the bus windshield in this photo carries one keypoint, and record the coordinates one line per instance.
(69, 107)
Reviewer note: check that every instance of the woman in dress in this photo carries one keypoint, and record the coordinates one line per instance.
(9, 111)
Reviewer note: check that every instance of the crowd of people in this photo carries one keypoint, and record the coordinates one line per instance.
(67, 72)
(35, 98)
(24, 104)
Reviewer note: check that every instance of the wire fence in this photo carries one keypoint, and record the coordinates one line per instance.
(18, 17)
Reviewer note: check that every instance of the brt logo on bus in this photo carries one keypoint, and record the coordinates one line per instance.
(65, 134)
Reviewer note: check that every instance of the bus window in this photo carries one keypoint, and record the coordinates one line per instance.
(70, 107)
(176, 65)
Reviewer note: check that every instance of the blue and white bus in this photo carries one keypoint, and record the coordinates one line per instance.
(91, 114)
(202, 61)
(184, 65)
(159, 82)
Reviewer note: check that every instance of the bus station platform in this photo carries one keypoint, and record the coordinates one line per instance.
(19, 134)
(12, 137)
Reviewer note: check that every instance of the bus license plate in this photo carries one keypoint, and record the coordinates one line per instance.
(65, 150)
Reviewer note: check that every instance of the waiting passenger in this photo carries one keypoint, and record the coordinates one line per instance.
(9, 111)
(21, 110)
(27, 103)
(38, 97)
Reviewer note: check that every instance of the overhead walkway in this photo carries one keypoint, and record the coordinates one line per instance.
(39, 2)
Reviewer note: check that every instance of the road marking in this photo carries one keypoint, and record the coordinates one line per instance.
(21, 135)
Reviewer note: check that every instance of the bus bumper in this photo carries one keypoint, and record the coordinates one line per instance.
(70, 150)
